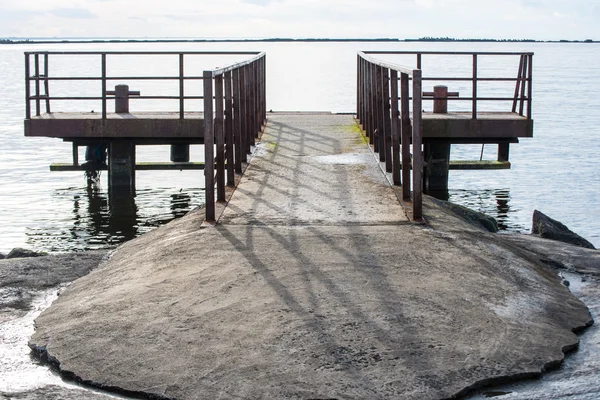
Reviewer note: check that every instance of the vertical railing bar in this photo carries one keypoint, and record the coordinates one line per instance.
(419, 61)
(387, 123)
(27, 86)
(209, 141)
(37, 84)
(265, 86)
(237, 120)
(229, 143)
(369, 101)
(529, 86)
(46, 83)
(264, 89)
(254, 93)
(518, 83)
(405, 135)
(361, 92)
(358, 87)
(103, 68)
(474, 115)
(366, 108)
(522, 101)
(378, 147)
(417, 163)
(395, 121)
(244, 103)
(219, 136)
(181, 87)
(250, 125)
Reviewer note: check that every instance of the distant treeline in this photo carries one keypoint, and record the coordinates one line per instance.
(449, 39)
(423, 39)
(77, 40)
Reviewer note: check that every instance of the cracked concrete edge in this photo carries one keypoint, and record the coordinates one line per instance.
(508, 379)
(41, 354)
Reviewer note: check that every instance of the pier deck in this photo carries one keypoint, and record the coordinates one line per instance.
(137, 125)
(314, 168)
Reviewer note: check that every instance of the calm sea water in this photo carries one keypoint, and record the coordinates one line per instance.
(555, 172)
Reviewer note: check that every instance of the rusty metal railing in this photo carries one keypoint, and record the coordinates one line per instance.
(522, 98)
(234, 104)
(236, 96)
(387, 124)
(38, 74)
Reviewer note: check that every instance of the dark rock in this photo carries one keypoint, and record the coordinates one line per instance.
(2, 256)
(474, 218)
(19, 252)
(549, 228)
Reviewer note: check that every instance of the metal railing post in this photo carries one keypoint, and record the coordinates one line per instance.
(37, 85)
(417, 133)
(405, 135)
(474, 112)
(181, 87)
(209, 140)
(237, 120)
(395, 127)
(387, 123)
(229, 144)
(103, 71)
(27, 87)
(46, 83)
(529, 85)
(220, 137)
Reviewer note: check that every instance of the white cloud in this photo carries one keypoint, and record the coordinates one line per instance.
(538, 19)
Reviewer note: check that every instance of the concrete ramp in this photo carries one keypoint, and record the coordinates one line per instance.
(312, 286)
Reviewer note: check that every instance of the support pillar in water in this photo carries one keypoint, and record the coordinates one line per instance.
(437, 155)
(180, 152)
(121, 154)
(121, 166)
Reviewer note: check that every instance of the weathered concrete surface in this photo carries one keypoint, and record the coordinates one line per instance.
(312, 293)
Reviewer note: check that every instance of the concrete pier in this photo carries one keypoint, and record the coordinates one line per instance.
(313, 285)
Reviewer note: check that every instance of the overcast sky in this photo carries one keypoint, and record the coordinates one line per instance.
(512, 19)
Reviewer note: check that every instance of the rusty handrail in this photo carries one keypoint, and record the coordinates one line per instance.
(523, 81)
(387, 124)
(44, 77)
(236, 97)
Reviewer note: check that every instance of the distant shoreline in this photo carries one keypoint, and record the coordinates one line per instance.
(277, 40)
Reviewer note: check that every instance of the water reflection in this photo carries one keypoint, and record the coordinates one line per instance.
(494, 202)
(180, 204)
(95, 218)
